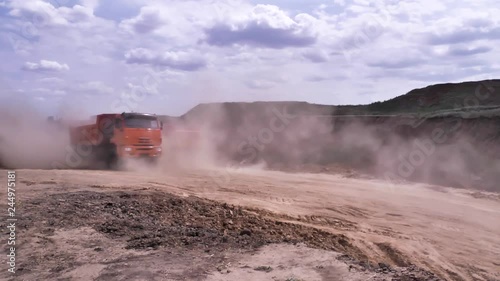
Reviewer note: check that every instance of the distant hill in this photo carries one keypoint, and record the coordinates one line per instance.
(443, 97)
(446, 98)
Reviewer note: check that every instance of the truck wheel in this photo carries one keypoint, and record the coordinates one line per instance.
(112, 161)
(110, 157)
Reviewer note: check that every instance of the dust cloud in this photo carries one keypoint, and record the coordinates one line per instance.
(28, 140)
(285, 136)
(447, 151)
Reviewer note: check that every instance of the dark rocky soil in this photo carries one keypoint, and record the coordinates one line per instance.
(149, 221)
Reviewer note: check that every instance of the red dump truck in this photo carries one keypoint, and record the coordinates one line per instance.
(112, 137)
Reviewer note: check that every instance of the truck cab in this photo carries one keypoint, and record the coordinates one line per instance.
(137, 135)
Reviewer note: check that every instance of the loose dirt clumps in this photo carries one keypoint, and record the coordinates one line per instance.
(156, 221)
(162, 220)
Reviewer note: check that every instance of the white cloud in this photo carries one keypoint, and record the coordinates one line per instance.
(149, 19)
(469, 50)
(179, 60)
(42, 13)
(45, 65)
(316, 55)
(397, 58)
(237, 50)
(266, 26)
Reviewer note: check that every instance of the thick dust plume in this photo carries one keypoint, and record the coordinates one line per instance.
(29, 140)
(299, 137)
(449, 151)
(187, 144)
(190, 141)
(256, 134)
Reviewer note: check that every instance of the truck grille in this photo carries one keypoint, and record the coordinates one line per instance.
(144, 142)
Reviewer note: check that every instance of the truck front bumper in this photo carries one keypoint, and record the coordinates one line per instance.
(140, 151)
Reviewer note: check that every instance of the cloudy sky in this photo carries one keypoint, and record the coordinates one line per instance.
(167, 56)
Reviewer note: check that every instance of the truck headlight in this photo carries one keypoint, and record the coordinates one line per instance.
(158, 149)
(127, 149)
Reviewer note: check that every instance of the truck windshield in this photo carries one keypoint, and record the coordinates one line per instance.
(141, 122)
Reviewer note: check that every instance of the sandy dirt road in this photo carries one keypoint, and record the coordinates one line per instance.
(452, 233)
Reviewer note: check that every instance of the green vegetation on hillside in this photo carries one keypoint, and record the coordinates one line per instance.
(466, 96)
